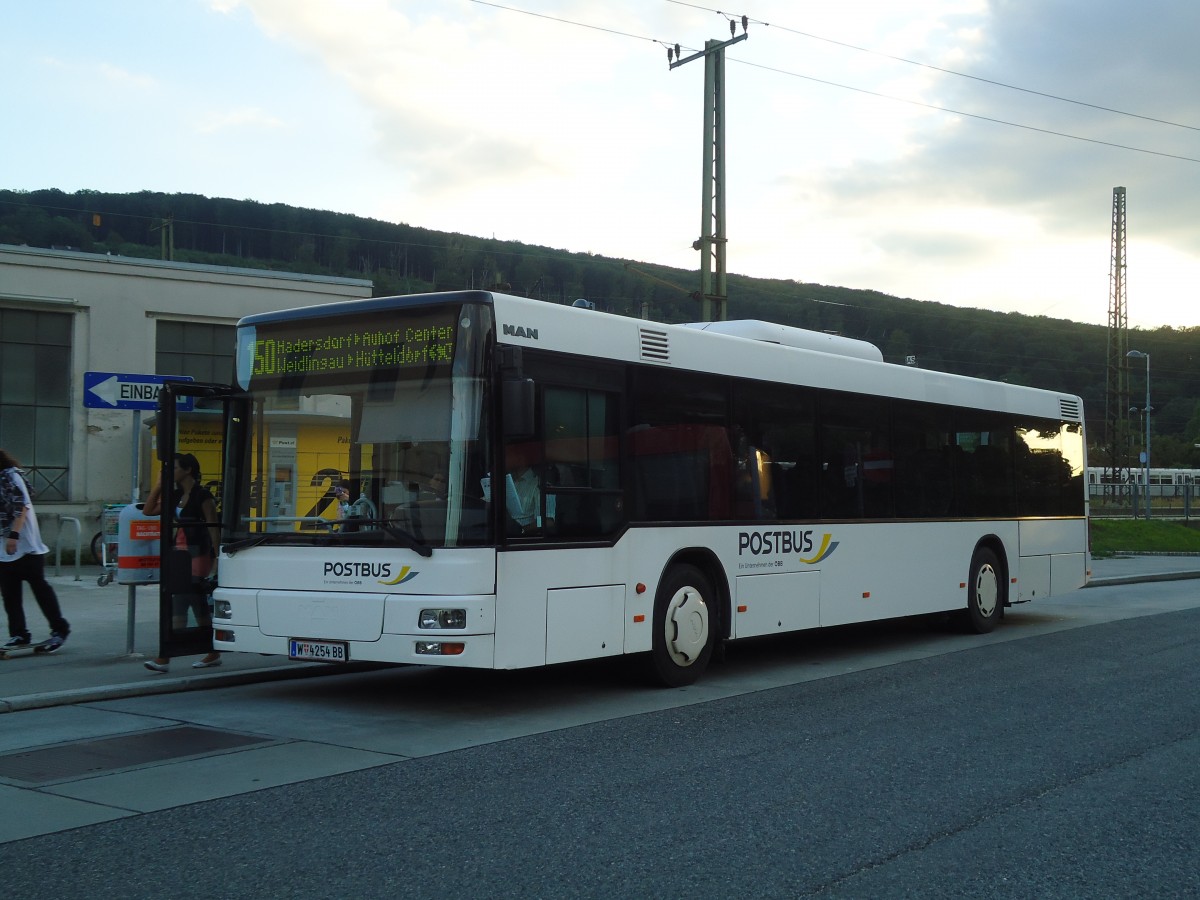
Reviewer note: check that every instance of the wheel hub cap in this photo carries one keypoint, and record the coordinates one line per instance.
(987, 591)
(686, 626)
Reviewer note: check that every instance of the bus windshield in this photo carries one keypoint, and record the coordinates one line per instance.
(362, 429)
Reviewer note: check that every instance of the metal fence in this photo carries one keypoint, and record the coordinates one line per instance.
(1167, 501)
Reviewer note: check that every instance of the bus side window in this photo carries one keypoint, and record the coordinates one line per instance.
(776, 466)
(582, 477)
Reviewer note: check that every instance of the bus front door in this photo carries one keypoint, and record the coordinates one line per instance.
(191, 426)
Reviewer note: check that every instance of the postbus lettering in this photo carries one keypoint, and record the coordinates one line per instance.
(758, 543)
(358, 570)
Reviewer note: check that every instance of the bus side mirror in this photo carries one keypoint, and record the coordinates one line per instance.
(518, 399)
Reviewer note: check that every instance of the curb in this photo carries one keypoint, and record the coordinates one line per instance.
(152, 685)
(1138, 579)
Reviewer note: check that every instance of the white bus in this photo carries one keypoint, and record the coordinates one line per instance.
(614, 486)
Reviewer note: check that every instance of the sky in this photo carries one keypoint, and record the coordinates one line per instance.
(957, 151)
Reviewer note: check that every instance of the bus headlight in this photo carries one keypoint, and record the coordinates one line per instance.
(222, 609)
(443, 618)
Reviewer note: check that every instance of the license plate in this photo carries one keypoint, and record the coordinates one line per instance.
(321, 651)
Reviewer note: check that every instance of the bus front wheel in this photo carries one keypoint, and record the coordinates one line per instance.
(985, 593)
(684, 627)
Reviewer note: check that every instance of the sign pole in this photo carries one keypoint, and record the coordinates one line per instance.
(130, 619)
(137, 434)
(131, 605)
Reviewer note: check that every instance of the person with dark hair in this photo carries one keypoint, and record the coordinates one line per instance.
(195, 530)
(341, 496)
(22, 559)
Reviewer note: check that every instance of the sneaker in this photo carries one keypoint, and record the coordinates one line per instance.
(16, 641)
(55, 641)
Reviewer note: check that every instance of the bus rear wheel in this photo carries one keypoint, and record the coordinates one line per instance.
(684, 627)
(985, 593)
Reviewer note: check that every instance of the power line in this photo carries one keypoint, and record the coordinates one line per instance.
(913, 62)
(882, 96)
(526, 12)
(958, 112)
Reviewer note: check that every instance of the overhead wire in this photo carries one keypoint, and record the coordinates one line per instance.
(945, 71)
(983, 118)
(626, 34)
(959, 112)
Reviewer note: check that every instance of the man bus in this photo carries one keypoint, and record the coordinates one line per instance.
(615, 486)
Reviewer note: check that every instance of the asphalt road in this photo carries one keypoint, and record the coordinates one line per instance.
(1062, 764)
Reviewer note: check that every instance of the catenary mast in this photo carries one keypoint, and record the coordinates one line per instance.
(1116, 467)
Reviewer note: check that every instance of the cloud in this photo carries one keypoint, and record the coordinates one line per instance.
(1139, 63)
(438, 159)
(958, 209)
(234, 119)
(464, 94)
(482, 119)
(111, 76)
(394, 66)
(123, 79)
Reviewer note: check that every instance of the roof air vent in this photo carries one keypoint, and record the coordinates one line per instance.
(655, 345)
(1069, 408)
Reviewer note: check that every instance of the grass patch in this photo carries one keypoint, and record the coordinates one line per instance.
(1139, 536)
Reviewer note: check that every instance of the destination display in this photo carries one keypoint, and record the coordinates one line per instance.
(350, 347)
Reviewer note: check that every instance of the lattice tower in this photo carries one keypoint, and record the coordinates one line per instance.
(1117, 434)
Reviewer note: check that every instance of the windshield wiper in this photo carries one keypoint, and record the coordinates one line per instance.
(235, 546)
(406, 538)
(410, 541)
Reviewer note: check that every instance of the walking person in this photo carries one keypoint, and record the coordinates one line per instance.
(23, 559)
(195, 527)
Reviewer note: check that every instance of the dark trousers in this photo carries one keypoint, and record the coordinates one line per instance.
(30, 568)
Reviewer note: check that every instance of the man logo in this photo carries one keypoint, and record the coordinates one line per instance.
(521, 331)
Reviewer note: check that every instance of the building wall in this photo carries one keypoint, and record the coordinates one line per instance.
(116, 304)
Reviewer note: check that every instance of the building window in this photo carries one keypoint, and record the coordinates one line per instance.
(199, 349)
(35, 396)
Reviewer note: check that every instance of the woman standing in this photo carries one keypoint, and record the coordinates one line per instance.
(22, 559)
(195, 525)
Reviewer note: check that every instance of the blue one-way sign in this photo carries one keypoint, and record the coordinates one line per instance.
(112, 390)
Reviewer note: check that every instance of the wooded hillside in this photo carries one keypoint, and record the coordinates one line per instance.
(400, 258)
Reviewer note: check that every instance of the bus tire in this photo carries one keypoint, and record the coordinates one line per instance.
(684, 627)
(985, 593)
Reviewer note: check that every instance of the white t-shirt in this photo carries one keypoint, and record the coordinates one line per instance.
(31, 535)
